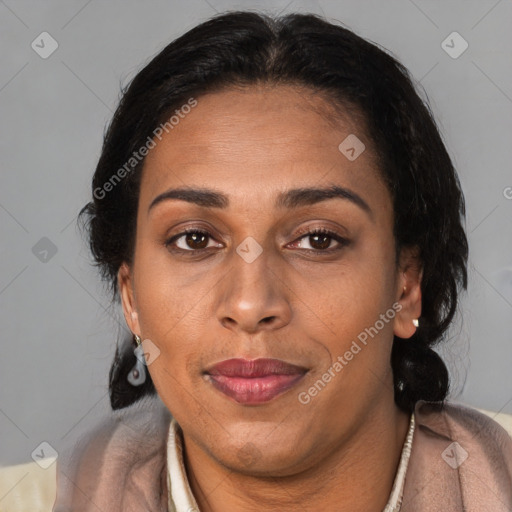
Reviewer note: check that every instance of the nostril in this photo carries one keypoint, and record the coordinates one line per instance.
(228, 321)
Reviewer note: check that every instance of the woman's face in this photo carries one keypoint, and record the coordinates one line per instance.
(248, 281)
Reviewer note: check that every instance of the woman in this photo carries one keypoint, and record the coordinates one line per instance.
(276, 210)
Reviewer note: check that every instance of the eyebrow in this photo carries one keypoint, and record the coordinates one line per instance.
(293, 198)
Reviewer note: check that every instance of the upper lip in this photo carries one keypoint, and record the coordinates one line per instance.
(253, 368)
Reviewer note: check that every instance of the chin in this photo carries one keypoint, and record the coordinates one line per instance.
(261, 458)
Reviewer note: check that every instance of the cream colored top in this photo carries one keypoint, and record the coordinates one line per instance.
(181, 498)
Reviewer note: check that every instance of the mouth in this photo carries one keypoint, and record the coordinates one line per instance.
(255, 381)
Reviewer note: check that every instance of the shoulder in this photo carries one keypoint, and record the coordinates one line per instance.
(458, 420)
(127, 452)
(503, 419)
(476, 434)
(129, 432)
(461, 459)
(125, 447)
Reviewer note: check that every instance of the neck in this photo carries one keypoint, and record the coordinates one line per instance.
(357, 476)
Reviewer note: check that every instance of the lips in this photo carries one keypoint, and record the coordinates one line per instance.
(254, 381)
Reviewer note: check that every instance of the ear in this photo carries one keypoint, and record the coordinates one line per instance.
(125, 284)
(408, 292)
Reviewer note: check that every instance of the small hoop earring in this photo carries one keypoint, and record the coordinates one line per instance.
(416, 322)
(137, 375)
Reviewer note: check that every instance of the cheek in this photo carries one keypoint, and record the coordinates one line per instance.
(358, 309)
(167, 294)
(171, 314)
(355, 299)
(357, 368)
(173, 322)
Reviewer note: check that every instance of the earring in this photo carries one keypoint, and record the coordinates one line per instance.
(416, 322)
(137, 375)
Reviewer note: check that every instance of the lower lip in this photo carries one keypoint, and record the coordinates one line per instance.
(255, 390)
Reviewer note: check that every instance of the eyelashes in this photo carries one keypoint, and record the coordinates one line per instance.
(195, 235)
(322, 234)
(197, 241)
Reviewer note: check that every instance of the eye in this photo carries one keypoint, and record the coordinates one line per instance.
(320, 240)
(190, 240)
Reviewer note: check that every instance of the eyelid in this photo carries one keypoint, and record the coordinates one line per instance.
(172, 240)
(322, 230)
(341, 240)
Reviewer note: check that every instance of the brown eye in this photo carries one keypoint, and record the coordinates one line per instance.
(320, 240)
(190, 241)
(196, 240)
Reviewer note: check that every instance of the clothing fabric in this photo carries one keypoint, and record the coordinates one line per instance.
(460, 460)
(395, 499)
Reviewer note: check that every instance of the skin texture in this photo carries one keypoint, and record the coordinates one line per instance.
(341, 450)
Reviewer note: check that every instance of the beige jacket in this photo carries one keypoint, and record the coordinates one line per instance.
(461, 461)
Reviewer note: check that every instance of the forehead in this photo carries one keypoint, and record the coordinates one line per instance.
(258, 139)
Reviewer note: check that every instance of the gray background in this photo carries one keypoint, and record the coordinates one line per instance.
(58, 329)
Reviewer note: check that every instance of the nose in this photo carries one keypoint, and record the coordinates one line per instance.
(253, 296)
